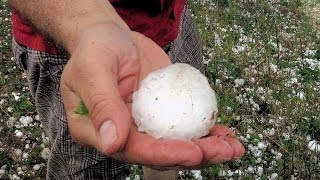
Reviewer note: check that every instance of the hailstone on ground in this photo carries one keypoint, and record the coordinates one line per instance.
(175, 102)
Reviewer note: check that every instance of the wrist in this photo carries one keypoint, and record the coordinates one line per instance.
(89, 26)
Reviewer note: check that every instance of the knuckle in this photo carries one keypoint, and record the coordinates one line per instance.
(100, 106)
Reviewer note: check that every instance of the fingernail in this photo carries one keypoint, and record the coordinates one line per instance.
(108, 134)
(231, 135)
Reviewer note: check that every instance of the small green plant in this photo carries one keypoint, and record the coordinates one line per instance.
(81, 109)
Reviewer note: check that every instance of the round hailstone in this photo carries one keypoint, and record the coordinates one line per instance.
(25, 155)
(36, 167)
(45, 153)
(19, 134)
(25, 120)
(175, 102)
(18, 152)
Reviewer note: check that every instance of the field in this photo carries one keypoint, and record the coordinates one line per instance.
(263, 61)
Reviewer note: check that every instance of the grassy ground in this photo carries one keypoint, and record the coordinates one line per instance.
(312, 9)
(20, 145)
(263, 59)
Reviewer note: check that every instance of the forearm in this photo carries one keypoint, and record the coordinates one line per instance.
(66, 21)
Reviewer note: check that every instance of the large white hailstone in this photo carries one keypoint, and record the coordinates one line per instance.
(175, 102)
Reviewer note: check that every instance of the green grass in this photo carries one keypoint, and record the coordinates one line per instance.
(273, 47)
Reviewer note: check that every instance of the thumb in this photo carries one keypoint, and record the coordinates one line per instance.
(106, 126)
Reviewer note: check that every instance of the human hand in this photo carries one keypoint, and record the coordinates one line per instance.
(102, 73)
